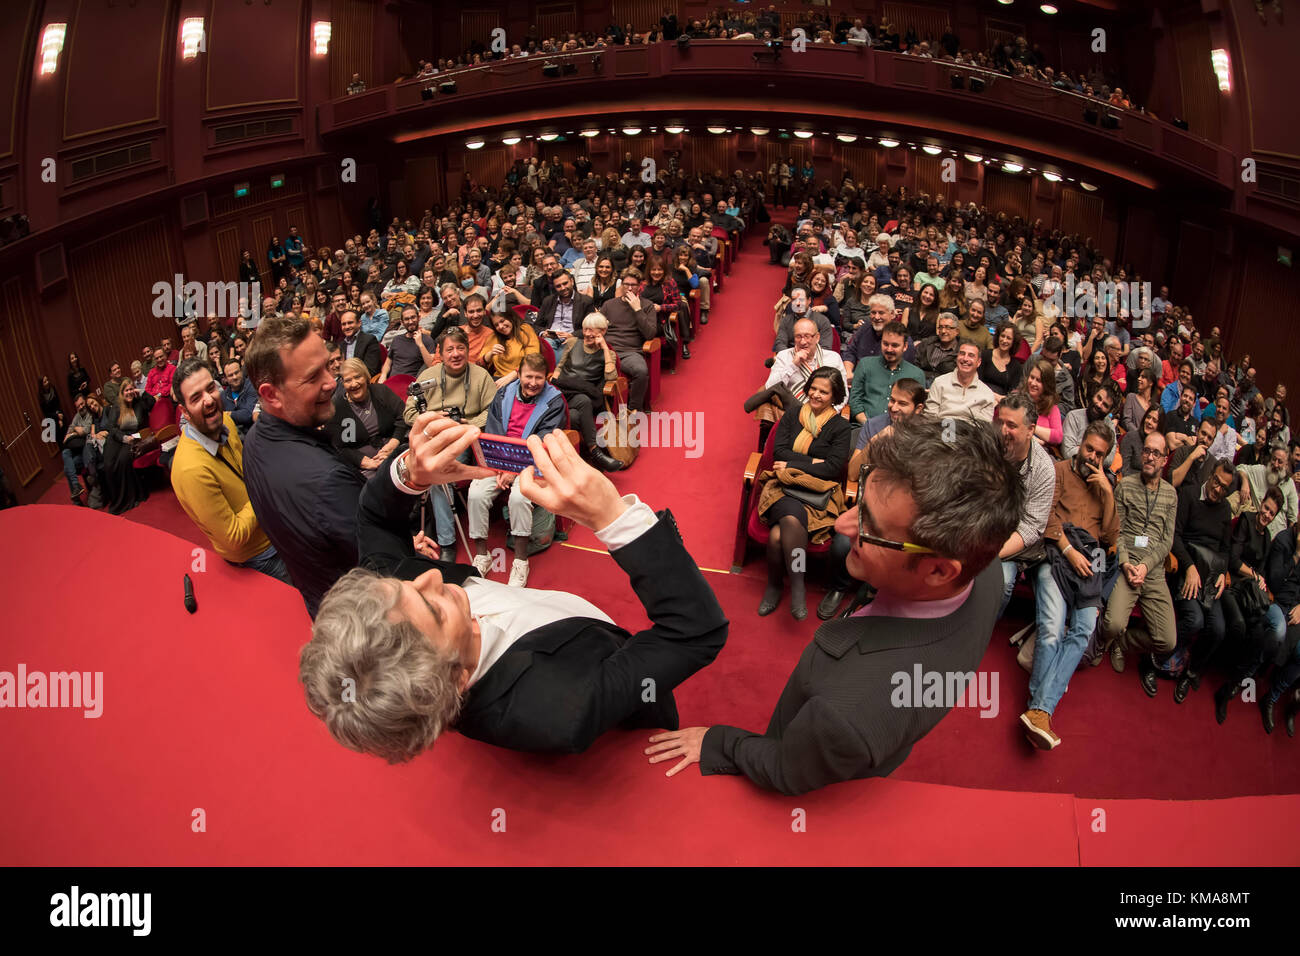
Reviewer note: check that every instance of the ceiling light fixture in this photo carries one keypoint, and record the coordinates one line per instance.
(888, 143)
(1051, 177)
(549, 137)
(1222, 69)
(474, 144)
(1012, 168)
(631, 130)
(932, 150)
(1048, 9)
(846, 137)
(803, 133)
(674, 129)
(717, 130)
(510, 140)
(1088, 186)
(589, 133)
(974, 157)
(759, 130)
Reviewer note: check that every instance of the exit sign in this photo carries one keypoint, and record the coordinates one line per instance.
(241, 190)
(277, 180)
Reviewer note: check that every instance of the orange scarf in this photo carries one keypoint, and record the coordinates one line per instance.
(810, 427)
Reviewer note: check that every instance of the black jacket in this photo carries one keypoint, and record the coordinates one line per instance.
(837, 718)
(368, 350)
(832, 445)
(561, 686)
(582, 307)
(389, 410)
(305, 496)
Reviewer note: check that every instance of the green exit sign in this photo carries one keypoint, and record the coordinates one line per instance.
(241, 190)
(277, 180)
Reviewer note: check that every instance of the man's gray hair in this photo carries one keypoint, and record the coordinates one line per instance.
(880, 298)
(379, 684)
(968, 496)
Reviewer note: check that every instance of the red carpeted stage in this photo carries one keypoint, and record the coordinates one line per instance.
(203, 720)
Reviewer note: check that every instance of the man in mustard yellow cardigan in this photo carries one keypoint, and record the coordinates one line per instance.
(208, 474)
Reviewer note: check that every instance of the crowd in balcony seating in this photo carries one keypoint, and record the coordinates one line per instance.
(1013, 57)
(1157, 473)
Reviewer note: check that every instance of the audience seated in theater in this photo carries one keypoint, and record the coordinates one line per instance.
(1192, 464)
(1000, 370)
(795, 307)
(1075, 580)
(124, 422)
(632, 323)
(562, 313)
(514, 339)
(1257, 480)
(528, 406)
(802, 495)
(207, 475)
(875, 375)
(661, 292)
(937, 355)
(1097, 411)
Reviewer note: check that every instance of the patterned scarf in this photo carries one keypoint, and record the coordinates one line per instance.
(811, 426)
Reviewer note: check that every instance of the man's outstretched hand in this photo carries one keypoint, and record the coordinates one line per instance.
(567, 485)
(436, 443)
(673, 744)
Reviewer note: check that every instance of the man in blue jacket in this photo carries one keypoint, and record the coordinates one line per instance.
(239, 397)
(529, 406)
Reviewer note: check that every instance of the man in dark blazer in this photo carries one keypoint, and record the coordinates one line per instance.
(358, 344)
(399, 654)
(561, 314)
(935, 506)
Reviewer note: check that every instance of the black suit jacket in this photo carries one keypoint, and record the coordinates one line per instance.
(389, 410)
(561, 686)
(836, 719)
(368, 351)
(582, 307)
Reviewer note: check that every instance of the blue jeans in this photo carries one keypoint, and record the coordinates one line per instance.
(443, 514)
(1058, 648)
(71, 461)
(269, 563)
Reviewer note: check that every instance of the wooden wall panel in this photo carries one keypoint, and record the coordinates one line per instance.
(642, 13)
(1080, 213)
(1263, 327)
(929, 173)
(112, 66)
(15, 34)
(352, 45)
(476, 26)
(424, 184)
(1006, 192)
(863, 162)
(1191, 272)
(928, 22)
(19, 406)
(487, 166)
(229, 250)
(708, 153)
(254, 52)
(263, 228)
(1200, 88)
(112, 282)
(557, 19)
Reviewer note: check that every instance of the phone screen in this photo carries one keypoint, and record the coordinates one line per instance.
(502, 454)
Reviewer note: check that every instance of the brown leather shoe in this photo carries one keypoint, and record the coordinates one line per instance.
(1038, 728)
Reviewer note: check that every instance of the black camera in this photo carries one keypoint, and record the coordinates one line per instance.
(455, 413)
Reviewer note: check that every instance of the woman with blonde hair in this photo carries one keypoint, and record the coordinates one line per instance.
(1040, 387)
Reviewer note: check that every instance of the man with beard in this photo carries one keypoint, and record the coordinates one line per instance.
(207, 474)
(303, 492)
(1193, 463)
(1181, 424)
(1259, 479)
(239, 398)
(1015, 418)
(937, 355)
(1098, 410)
(1146, 506)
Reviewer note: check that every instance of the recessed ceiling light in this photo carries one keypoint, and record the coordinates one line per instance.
(1088, 186)
(1012, 168)
(803, 133)
(589, 133)
(759, 130)
(631, 130)
(932, 150)
(549, 137)
(888, 143)
(1051, 177)
(717, 130)
(510, 140)
(846, 137)
(1006, 3)
(474, 144)
(1048, 9)
(974, 157)
(674, 129)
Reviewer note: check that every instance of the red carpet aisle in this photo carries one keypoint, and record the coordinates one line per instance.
(207, 708)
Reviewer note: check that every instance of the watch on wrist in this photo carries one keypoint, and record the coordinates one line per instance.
(404, 474)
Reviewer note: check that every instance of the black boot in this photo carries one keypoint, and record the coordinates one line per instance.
(1288, 714)
(1181, 688)
(1149, 679)
(686, 351)
(1266, 712)
(605, 461)
(771, 598)
(1222, 697)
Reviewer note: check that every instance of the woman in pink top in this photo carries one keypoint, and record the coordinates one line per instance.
(1040, 387)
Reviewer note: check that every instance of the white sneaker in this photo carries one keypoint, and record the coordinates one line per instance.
(518, 574)
(483, 562)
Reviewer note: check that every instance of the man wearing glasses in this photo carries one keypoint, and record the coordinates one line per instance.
(1147, 507)
(931, 554)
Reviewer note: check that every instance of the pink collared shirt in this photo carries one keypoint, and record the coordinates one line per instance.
(887, 605)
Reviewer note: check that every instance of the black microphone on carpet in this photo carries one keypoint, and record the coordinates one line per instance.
(190, 604)
(769, 363)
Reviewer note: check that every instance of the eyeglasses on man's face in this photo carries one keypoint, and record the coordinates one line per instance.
(864, 537)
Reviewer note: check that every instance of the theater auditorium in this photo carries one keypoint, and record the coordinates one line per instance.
(649, 432)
